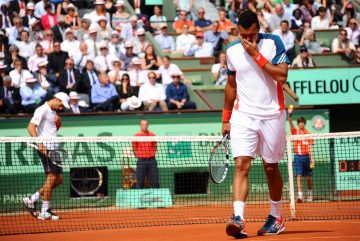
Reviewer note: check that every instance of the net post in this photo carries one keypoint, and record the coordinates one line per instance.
(290, 178)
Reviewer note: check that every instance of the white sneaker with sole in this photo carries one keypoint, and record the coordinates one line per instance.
(45, 215)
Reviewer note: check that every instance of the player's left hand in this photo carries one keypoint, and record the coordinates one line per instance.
(57, 121)
(250, 47)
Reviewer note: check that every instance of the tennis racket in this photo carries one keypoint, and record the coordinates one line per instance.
(219, 160)
(60, 157)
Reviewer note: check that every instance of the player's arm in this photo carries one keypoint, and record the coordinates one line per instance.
(230, 96)
(33, 133)
(290, 112)
(277, 72)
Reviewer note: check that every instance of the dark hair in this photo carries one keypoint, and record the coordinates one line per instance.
(126, 75)
(301, 119)
(297, 10)
(166, 57)
(321, 9)
(285, 21)
(247, 18)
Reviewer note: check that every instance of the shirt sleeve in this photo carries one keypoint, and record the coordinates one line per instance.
(231, 69)
(38, 116)
(280, 52)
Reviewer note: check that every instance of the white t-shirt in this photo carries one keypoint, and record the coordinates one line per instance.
(148, 92)
(258, 94)
(44, 119)
(166, 73)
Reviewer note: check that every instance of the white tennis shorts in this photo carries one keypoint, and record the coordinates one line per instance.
(265, 138)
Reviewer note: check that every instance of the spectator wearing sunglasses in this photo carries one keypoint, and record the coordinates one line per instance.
(353, 31)
(303, 60)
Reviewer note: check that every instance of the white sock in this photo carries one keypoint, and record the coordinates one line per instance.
(239, 208)
(35, 197)
(275, 208)
(310, 192)
(45, 206)
(300, 195)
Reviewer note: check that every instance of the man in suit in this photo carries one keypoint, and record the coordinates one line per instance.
(59, 29)
(89, 78)
(57, 59)
(69, 77)
(8, 97)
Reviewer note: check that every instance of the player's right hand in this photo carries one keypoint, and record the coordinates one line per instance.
(42, 149)
(225, 128)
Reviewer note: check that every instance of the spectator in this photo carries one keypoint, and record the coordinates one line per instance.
(300, 33)
(61, 8)
(120, 17)
(128, 30)
(184, 6)
(46, 80)
(126, 91)
(8, 97)
(72, 18)
(356, 59)
(308, 10)
(200, 48)
(150, 61)
(76, 107)
(6, 18)
(36, 33)
(184, 40)
(104, 59)
(82, 32)
(342, 45)
(38, 57)
(183, 21)
(99, 11)
(233, 34)
(57, 59)
(128, 56)
(164, 40)
(103, 94)
(289, 7)
(26, 47)
(224, 23)
(104, 30)
(303, 60)
(89, 78)
(40, 8)
(116, 73)
(92, 43)
(349, 12)
(297, 20)
(202, 24)
(14, 31)
(145, 152)
(215, 37)
(137, 75)
(32, 94)
(140, 42)
(157, 20)
(110, 7)
(165, 71)
(48, 20)
(152, 94)
(81, 57)
(70, 44)
(287, 37)
(29, 14)
(177, 96)
(115, 45)
(277, 17)
(69, 77)
(18, 74)
(219, 70)
(310, 42)
(59, 29)
(319, 21)
(48, 42)
(264, 26)
(303, 157)
(353, 31)
(10, 58)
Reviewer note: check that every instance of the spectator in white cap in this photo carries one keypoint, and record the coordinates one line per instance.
(116, 73)
(165, 41)
(18, 74)
(34, 59)
(72, 18)
(128, 30)
(26, 47)
(140, 42)
(166, 69)
(104, 30)
(40, 8)
(70, 44)
(98, 12)
(8, 97)
(29, 14)
(32, 94)
(137, 75)
(152, 94)
(82, 32)
(115, 45)
(157, 19)
(69, 77)
(120, 17)
(36, 33)
(127, 57)
(92, 43)
(47, 80)
(74, 103)
(104, 59)
(82, 56)
(59, 29)
(49, 19)
(48, 42)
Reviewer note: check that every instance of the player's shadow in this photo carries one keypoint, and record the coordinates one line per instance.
(306, 231)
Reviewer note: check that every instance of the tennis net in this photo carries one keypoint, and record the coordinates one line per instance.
(100, 188)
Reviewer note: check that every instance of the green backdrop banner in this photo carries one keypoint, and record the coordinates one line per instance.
(326, 86)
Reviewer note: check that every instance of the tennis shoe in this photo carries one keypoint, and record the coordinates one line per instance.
(299, 200)
(45, 215)
(236, 228)
(30, 206)
(309, 198)
(272, 226)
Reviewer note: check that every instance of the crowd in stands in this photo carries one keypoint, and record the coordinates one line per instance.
(98, 53)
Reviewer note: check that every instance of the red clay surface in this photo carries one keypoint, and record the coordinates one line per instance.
(297, 231)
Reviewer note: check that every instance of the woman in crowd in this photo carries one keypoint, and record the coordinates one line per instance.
(150, 61)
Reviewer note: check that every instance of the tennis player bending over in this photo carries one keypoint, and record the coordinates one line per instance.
(46, 123)
(254, 116)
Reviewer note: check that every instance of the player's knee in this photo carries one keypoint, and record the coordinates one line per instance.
(243, 167)
(271, 170)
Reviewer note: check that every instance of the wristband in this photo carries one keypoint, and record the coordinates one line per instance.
(260, 60)
(226, 115)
